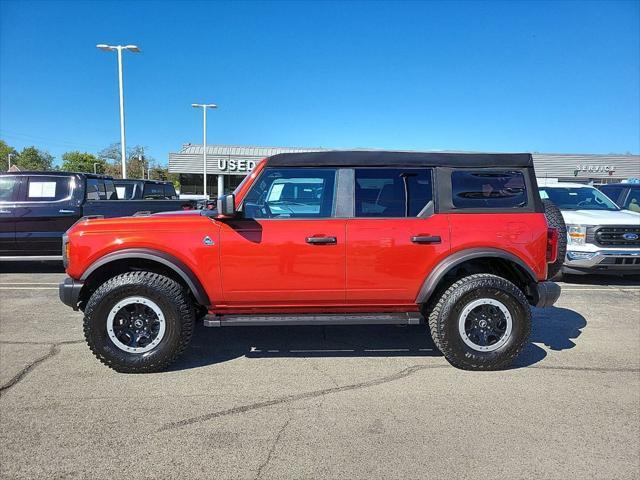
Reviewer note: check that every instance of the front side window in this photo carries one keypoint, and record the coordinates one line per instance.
(633, 200)
(488, 189)
(292, 193)
(50, 189)
(153, 191)
(7, 188)
(392, 192)
(578, 198)
(170, 192)
(110, 190)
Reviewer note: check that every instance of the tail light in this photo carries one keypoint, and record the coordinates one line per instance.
(552, 245)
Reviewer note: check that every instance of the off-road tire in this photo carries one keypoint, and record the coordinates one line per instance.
(555, 220)
(444, 317)
(170, 296)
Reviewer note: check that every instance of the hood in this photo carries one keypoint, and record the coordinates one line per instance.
(601, 217)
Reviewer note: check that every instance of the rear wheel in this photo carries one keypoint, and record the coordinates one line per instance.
(481, 322)
(138, 322)
(555, 220)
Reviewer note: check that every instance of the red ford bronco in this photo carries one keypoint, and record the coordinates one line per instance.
(337, 237)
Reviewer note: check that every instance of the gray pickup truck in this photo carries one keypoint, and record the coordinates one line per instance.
(36, 208)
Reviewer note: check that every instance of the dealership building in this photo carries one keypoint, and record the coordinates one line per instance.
(228, 164)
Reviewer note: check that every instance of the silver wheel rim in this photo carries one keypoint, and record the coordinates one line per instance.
(137, 317)
(485, 324)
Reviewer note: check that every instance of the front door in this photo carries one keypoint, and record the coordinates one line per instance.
(45, 211)
(9, 188)
(394, 239)
(288, 249)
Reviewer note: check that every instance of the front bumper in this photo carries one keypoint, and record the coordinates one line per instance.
(603, 261)
(546, 294)
(69, 291)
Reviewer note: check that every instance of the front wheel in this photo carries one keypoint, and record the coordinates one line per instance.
(481, 322)
(138, 322)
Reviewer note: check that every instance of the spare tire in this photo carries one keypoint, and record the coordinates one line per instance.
(555, 220)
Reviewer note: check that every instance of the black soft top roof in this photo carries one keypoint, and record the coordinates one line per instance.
(377, 158)
(58, 173)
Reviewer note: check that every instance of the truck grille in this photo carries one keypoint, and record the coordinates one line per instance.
(614, 236)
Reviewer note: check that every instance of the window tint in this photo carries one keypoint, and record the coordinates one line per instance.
(96, 189)
(153, 191)
(7, 187)
(50, 189)
(633, 200)
(110, 189)
(488, 189)
(292, 193)
(391, 192)
(169, 191)
(612, 192)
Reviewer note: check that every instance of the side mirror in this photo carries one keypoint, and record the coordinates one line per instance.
(227, 206)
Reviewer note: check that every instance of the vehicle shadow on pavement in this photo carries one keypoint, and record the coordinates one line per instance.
(214, 345)
(556, 328)
(31, 267)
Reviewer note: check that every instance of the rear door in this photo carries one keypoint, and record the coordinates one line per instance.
(289, 249)
(45, 210)
(9, 188)
(393, 239)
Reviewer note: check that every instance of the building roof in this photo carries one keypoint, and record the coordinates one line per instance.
(241, 150)
(564, 165)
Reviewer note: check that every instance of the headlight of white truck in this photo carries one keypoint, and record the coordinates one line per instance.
(576, 234)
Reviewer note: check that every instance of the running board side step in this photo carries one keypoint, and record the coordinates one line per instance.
(403, 318)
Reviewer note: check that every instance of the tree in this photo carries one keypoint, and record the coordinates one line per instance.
(5, 150)
(82, 162)
(33, 159)
(135, 167)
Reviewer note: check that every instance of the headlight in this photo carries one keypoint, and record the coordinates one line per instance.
(576, 234)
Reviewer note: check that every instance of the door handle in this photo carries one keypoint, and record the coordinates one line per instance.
(322, 240)
(63, 210)
(5, 211)
(426, 239)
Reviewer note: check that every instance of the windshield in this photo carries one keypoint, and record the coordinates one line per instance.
(578, 198)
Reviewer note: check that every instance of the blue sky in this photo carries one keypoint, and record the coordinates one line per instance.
(495, 76)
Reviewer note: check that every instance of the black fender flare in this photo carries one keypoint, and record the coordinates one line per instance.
(433, 279)
(163, 258)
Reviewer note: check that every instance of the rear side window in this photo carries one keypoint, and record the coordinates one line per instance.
(8, 186)
(392, 192)
(49, 189)
(488, 189)
(96, 189)
(153, 191)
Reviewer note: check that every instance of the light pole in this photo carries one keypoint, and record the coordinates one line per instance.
(119, 49)
(9, 160)
(204, 107)
(95, 170)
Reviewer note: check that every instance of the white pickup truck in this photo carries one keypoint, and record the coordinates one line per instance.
(601, 237)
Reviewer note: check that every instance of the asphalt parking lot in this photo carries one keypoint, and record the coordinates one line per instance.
(321, 402)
